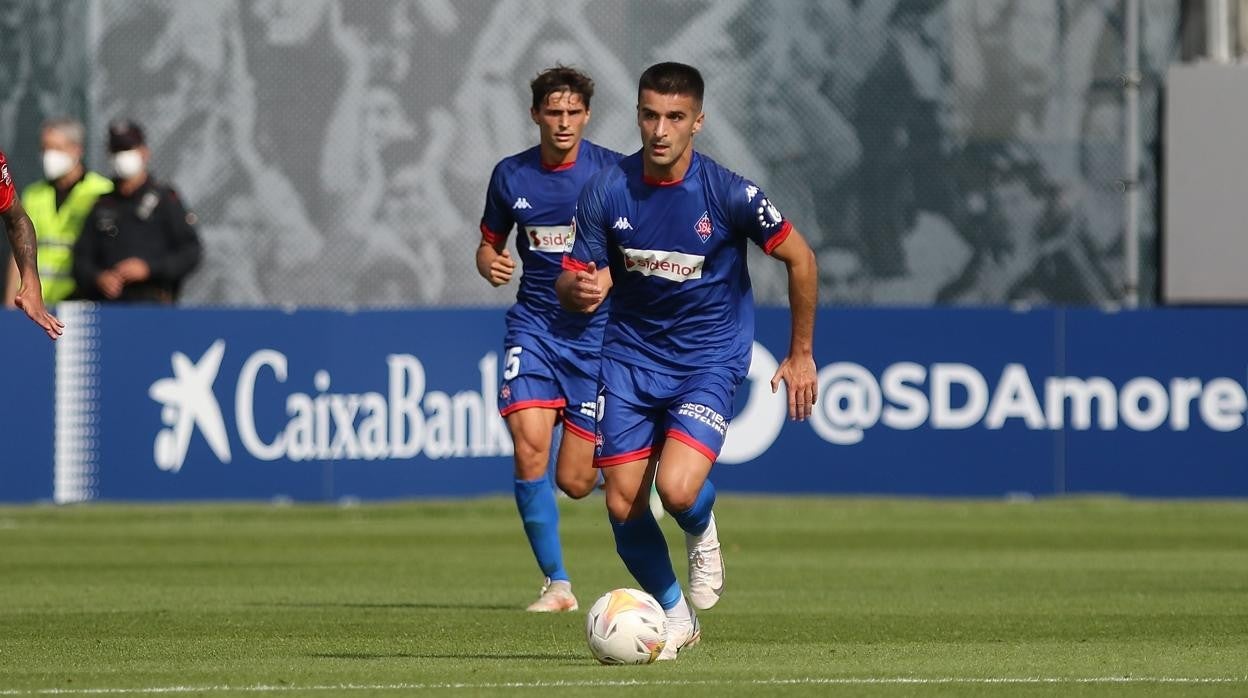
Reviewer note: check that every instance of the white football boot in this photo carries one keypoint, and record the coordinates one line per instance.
(706, 567)
(555, 597)
(682, 632)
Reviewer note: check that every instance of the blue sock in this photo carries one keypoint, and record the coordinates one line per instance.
(536, 501)
(643, 549)
(696, 518)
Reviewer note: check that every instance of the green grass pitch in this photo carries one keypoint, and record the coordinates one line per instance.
(824, 596)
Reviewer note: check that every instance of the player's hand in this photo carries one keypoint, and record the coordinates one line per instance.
(133, 269)
(798, 374)
(110, 283)
(502, 268)
(31, 300)
(587, 293)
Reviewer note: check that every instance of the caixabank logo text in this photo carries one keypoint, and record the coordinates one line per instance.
(403, 417)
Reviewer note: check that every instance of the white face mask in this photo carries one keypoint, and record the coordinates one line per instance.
(128, 164)
(57, 163)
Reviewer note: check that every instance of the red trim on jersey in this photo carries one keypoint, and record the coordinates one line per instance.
(629, 457)
(773, 243)
(8, 193)
(692, 443)
(558, 168)
(656, 182)
(490, 236)
(556, 404)
(571, 429)
(570, 264)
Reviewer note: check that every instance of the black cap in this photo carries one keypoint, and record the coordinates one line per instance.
(124, 134)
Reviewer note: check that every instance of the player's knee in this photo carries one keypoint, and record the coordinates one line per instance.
(624, 507)
(577, 485)
(531, 458)
(677, 499)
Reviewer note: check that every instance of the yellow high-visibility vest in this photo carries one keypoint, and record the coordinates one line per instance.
(57, 229)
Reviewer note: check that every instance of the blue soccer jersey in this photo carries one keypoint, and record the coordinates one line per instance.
(681, 300)
(541, 202)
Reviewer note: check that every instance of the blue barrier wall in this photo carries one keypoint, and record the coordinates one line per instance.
(27, 367)
(156, 404)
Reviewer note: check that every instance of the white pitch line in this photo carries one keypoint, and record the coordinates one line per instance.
(622, 683)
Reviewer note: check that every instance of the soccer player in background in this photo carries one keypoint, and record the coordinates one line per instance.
(22, 238)
(550, 370)
(664, 232)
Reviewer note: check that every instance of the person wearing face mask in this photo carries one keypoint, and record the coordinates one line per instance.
(58, 205)
(139, 242)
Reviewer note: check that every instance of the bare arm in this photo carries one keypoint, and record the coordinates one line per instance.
(30, 296)
(583, 291)
(494, 263)
(11, 284)
(798, 368)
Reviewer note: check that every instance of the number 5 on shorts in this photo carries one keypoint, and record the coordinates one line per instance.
(511, 366)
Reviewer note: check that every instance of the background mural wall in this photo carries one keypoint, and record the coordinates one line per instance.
(337, 153)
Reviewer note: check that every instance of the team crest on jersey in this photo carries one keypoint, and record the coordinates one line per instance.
(703, 227)
(505, 392)
(768, 215)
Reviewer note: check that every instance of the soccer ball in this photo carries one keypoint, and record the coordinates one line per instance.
(626, 626)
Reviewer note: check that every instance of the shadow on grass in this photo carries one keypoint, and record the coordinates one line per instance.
(431, 655)
(394, 605)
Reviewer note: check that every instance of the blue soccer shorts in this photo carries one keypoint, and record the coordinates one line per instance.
(542, 372)
(638, 408)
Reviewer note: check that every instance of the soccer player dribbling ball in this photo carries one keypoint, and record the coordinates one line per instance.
(550, 368)
(663, 234)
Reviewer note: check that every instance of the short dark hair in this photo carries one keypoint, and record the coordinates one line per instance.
(672, 79)
(558, 79)
(124, 134)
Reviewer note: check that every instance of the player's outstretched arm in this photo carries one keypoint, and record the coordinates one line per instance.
(798, 368)
(495, 264)
(11, 284)
(582, 291)
(30, 297)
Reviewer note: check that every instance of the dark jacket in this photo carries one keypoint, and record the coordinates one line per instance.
(151, 224)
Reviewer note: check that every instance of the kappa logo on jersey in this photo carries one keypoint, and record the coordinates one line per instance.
(622, 223)
(751, 191)
(521, 203)
(550, 238)
(666, 264)
(4, 174)
(703, 227)
(768, 215)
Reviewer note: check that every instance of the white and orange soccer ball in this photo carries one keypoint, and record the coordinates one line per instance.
(626, 626)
